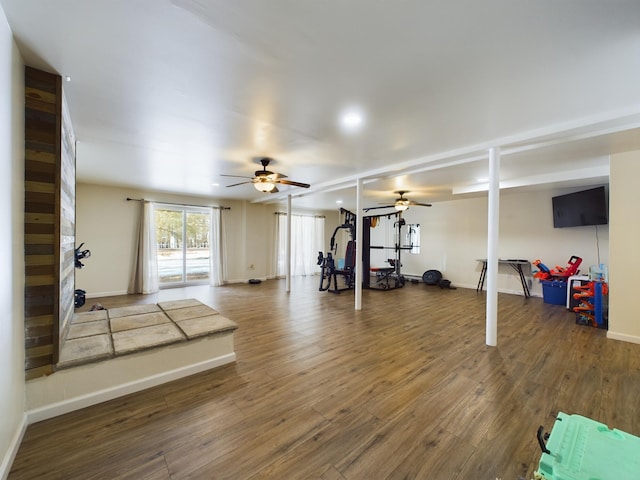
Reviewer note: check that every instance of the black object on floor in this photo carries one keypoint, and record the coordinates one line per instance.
(79, 298)
(446, 284)
(432, 277)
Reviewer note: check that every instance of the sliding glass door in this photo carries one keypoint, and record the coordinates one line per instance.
(183, 250)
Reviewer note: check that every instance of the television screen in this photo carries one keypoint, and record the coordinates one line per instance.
(578, 209)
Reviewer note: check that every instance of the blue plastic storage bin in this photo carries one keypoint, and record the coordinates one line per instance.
(554, 292)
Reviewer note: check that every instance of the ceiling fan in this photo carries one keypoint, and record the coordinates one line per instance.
(401, 203)
(265, 181)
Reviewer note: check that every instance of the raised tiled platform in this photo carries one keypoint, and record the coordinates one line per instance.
(95, 324)
(134, 310)
(172, 305)
(138, 339)
(78, 351)
(178, 314)
(138, 321)
(198, 327)
(103, 334)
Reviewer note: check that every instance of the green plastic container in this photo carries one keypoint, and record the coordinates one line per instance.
(582, 449)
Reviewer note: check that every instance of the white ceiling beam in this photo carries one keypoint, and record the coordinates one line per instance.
(581, 174)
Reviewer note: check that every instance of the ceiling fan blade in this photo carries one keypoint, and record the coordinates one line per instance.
(234, 176)
(375, 208)
(420, 204)
(236, 184)
(276, 176)
(266, 176)
(291, 182)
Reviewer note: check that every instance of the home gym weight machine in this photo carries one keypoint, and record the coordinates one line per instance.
(328, 270)
(387, 278)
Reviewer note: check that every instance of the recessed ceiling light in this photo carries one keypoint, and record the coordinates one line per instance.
(215, 184)
(352, 120)
(67, 78)
(339, 202)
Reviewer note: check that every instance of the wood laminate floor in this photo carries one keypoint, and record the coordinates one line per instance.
(403, 389)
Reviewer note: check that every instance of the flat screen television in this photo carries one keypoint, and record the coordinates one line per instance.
(588, 207)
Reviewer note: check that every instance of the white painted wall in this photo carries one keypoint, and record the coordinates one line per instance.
(624, 319)
(106, 223)
(454, 235)
(12, 386)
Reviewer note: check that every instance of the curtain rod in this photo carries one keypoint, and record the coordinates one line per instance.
(178, 204)
(299, 214)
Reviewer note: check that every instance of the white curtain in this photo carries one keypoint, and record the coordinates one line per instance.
(281, 245)
(144, 276)
(217, 249)
(307, 239)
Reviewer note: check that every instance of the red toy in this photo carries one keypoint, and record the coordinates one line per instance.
(544, 273)
(559, 272)
(586, 291)
(572, 269)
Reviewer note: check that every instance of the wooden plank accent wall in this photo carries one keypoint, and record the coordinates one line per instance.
(48, 239)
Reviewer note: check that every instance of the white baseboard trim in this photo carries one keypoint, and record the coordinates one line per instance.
(11, 452)
(93, 398)
(106, 294)
(246, 280)
(500, 290)
(623, 337)
(268, 277)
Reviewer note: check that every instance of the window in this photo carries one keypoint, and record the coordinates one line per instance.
(412, 237)
(182, 236)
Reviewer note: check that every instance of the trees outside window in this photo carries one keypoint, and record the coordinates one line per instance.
(182, 235)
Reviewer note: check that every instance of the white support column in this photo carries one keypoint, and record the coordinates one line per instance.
(358, 293)
(492, 247)
(288, 256)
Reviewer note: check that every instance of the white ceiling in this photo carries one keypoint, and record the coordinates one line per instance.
(169, 94)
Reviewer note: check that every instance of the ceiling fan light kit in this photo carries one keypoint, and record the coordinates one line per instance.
(401, 204)
(264, 185)
(265, 181)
